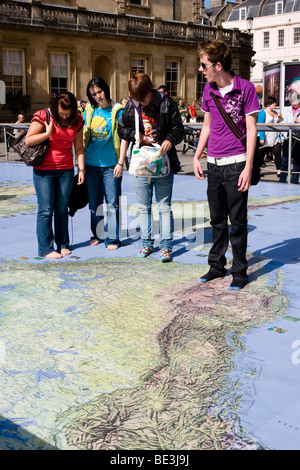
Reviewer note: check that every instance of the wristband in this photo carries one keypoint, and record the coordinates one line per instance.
(121, 164)
(82, 171)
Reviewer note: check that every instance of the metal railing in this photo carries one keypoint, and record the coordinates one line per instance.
(279, 127)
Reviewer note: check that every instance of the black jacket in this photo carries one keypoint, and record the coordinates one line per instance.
(170, 126)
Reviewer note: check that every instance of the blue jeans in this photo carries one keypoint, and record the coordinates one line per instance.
(102, 185)
(53, 189)
(163, 195)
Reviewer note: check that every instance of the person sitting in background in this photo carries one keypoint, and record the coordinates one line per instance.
(21, 120)
(270, 141)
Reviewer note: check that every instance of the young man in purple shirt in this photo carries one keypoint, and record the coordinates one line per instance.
(229, 165)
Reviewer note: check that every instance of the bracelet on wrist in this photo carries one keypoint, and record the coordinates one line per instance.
(82, 171)
(121, 164)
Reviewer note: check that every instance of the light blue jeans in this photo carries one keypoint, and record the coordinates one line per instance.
(162, 187)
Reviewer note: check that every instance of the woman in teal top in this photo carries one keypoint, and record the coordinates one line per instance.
(104, 170)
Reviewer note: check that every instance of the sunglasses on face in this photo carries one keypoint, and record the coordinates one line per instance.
(204, 66)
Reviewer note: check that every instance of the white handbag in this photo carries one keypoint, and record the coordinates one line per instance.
(147, 160)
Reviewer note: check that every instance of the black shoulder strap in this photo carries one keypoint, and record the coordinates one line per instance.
(47, 115)
(230, 123)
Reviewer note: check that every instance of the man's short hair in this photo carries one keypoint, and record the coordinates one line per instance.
(217, 51)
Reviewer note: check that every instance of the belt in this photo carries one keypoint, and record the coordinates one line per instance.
(227, 160)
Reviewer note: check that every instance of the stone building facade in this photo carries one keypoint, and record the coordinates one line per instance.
(49, 47)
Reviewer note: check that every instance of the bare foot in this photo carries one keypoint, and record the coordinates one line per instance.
(112, 247)
(53, 255)
(65, 251)
(94, 242)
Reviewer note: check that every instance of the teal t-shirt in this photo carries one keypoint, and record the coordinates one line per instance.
(101, 151)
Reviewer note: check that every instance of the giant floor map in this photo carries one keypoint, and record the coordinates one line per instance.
(107, 351)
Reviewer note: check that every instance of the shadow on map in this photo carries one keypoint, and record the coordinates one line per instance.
(15, 437)
(4, 198)
(279, 254)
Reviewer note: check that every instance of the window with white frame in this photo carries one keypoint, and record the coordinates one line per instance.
(266, 39)
(13, 70)
(138, 66)
(280, 37)
(172, 76)
(278, 8)
(297, 36)
(242, 12)
(59, 73)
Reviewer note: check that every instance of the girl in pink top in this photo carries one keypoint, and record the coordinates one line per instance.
(53, 179)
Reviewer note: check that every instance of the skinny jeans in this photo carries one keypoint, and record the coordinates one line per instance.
(226, 202)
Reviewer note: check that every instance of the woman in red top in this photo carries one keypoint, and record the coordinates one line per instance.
(53, 179)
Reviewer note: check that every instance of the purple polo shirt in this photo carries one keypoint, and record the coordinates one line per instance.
(241, 100)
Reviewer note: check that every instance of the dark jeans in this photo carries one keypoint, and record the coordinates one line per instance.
(276, 151)
(225, 201)
(295, 160)
(53, 189)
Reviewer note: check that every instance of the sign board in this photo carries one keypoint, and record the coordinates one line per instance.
(291, 80)
(272, 82)
(280, 80)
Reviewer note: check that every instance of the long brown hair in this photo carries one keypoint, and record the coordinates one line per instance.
(67, 101)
